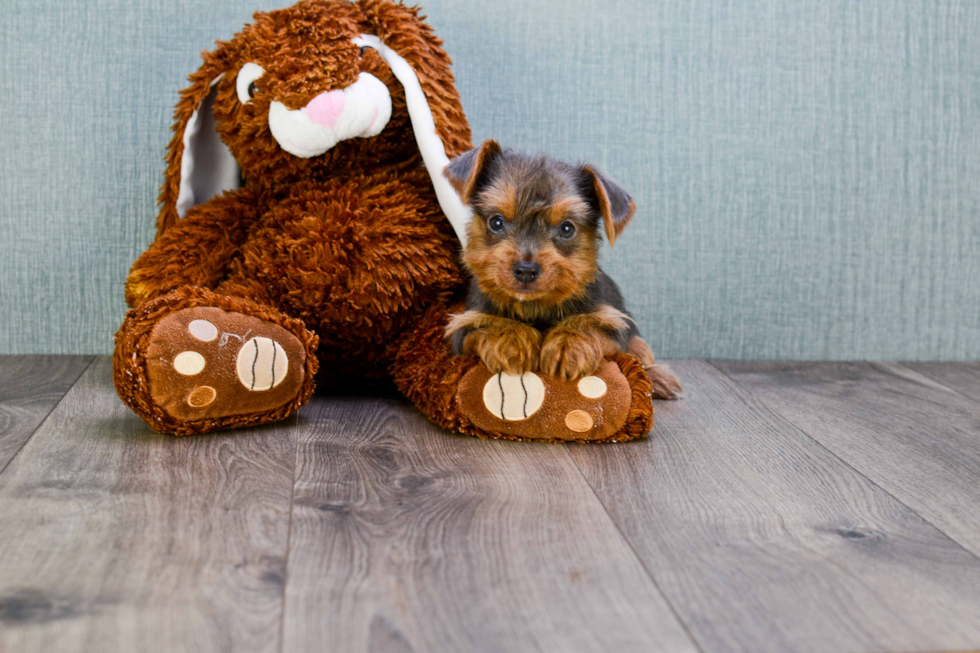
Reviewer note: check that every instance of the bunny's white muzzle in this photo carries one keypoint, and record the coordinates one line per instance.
(361, 110)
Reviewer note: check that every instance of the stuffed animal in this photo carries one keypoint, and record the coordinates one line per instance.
(307, 234)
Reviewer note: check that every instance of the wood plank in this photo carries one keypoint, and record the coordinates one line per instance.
(30, 387)
(962, 377)
(762, 540)
(407, 538)
(916, 438)
(115, 538)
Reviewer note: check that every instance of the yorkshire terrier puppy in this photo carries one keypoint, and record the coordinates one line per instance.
(537, 299)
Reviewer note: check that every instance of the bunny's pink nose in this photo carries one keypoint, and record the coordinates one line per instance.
(326, 108)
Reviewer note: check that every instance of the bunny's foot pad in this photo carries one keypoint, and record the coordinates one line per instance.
(205, 363)
(194, 361)
(534, 406)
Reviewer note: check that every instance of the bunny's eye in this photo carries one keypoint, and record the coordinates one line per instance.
(245, 83)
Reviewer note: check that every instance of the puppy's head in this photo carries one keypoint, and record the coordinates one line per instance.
(535, 232)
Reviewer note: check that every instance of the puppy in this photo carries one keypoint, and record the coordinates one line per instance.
(537, 299)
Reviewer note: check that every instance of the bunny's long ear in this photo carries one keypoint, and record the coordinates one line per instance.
(418, 61)
(199, 165)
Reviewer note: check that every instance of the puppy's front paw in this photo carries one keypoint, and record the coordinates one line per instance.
(513, 348)
(572, 354)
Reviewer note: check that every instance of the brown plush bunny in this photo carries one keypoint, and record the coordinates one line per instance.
(306, 224)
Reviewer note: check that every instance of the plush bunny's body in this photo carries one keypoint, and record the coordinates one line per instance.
(305, 225)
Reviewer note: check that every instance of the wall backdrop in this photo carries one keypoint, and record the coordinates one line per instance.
(807, 172)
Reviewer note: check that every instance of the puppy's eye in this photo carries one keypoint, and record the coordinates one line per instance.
(363, 49)
(566, 229)
(245, 82)
(495, 224)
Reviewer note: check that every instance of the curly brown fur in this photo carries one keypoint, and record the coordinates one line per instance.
(352, 243)
(199, 250)
(307, 49)
(532, 252)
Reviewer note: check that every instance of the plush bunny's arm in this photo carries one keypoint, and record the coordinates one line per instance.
(197, 250)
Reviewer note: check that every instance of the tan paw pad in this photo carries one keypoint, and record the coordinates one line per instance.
(579, 421)
(189, 363)
(201, 396)
(262, 364)
(513, 397)
(203, 330)
(591, 387)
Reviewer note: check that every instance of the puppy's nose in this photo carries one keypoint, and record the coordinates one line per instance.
(526, 271)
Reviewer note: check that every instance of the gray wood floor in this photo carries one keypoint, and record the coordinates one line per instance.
(780, 507)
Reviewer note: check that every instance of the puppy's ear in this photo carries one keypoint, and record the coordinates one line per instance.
(464, 172)
(615, 204)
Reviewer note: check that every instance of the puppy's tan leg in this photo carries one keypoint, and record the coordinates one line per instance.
(576, 346)
(571, 353)
(666, 385)
(503, 345)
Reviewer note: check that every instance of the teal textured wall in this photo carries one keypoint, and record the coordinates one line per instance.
(807, 172)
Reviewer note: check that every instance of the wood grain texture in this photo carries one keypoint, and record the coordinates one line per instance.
(962, 377)
(30, 387)
(762, 540)
(406, 538)
(916, 438)
(114, 538)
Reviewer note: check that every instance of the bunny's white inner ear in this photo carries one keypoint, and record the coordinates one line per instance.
(207, 167)
(430, 145)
